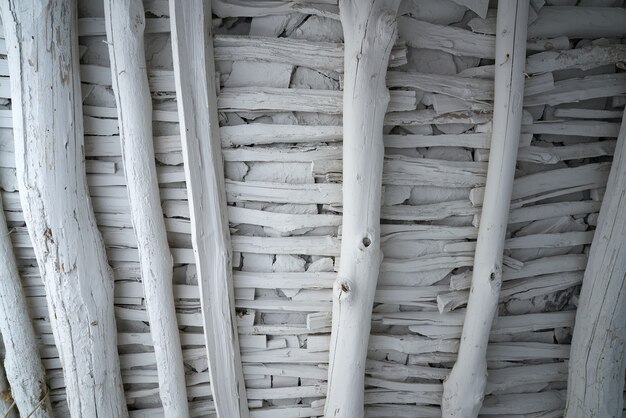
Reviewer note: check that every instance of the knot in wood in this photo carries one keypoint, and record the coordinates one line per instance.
(366, 242)
(342, 290)
(495, 278)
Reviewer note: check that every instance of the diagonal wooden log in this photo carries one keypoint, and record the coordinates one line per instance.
(597, 367)
(22, 364)
(125, 22)
(370, 32)
(7, 406)
(461, 399)
(47, 123)
(194, 72)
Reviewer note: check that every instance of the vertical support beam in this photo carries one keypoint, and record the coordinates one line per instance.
(42, 45)
(125, 23)
(22, 364)
(464, 389)
(194, 73)
(595, 386)
(369, 28)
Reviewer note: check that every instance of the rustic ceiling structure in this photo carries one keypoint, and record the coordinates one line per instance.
(338, 208)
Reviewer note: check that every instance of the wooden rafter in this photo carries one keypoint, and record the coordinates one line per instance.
(597, 366)
(42, 47)
(460, 398)
(369, 32)
(22, 364)
(194, 71)
(124, 21)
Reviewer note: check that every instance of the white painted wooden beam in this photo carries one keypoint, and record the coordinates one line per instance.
(6, 400)
(23, 366)
(124, 20)
(48, 129)
(597, 366)
(369, 31)
(194, 71)
(459, 398)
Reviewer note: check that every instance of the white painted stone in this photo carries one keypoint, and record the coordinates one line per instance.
(8, 179)
(257, 262)
(430, 61)
(464, 63)
(419, 129)
(235, 170)
(441, 12)
(158, 50)
(322, 264)
(313, 79)
(170, 158)
(287, 262)
(478, 6)
(395, 195)
(454, 128)
(449, 153)
(294, 173)
(319, 29)
(259, 74)
(273, 26)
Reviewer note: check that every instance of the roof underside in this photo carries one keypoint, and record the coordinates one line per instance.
(437, 142)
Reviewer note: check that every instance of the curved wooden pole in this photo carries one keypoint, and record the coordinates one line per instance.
(194, 72)
(125, 22)
(42, 46)
(595, 387)
(7, 405)
(370, 32)
(465, 387)
(22, 364)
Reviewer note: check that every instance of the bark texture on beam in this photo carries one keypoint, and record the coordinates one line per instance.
(125, 22)
(194, 72)
(461, 399)
(22, 364)
(597, 366)
(370, 32)
(48, 130)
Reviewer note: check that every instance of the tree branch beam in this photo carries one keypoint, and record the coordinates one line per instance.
(370, 32)
(43, 57)
(459, 398)
(125, 23)
(597, 367)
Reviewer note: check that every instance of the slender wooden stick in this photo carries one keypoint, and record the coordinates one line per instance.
(48, 127)
(369, 32)
(124, 21)
(596, 373)
(461, 399)
(24, 370)
(194, 72)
